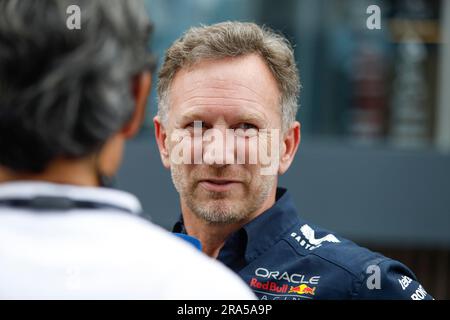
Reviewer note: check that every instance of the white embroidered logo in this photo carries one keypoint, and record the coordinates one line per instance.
(309, 240)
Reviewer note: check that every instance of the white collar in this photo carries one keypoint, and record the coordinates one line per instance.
(31, 189)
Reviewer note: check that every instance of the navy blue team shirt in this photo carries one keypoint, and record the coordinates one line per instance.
(283, 257)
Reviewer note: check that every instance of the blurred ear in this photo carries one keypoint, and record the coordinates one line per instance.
(290, 143)
(141, 86)
(161, 139)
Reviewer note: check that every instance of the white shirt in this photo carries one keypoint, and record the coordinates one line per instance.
(100, 253)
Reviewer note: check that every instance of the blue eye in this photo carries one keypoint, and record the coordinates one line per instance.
(246, 126)
(196, 123)
(246, 130)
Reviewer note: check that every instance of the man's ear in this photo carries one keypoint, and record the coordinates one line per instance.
(141, 86)
(290, 143)
(161, 140)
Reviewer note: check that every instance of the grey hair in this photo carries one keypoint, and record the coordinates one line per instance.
(233, 39)
(65, 92)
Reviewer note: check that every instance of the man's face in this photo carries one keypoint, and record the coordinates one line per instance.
(231, 93)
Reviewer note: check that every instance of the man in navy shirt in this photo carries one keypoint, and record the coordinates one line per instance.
(281, 256)
(226, 129)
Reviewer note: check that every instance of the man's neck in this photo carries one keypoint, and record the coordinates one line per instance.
(213, 236)
(60, 171)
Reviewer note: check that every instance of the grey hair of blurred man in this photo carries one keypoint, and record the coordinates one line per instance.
(64, 93)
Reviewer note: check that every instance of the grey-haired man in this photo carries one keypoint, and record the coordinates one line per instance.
(227, 96)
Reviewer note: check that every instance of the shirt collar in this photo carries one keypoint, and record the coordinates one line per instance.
(268, 228)
(31, 189)
(264, 231)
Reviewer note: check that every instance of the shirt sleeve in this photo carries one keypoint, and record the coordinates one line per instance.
(391, 280)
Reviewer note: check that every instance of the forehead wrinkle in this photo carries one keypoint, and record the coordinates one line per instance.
(201, 95)
(217, 101)
(199, 113)
(222, 85)
(247, 87)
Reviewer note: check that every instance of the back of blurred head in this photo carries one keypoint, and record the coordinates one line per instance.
(70, 98)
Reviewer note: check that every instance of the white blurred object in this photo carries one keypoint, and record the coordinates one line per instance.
(101, 253)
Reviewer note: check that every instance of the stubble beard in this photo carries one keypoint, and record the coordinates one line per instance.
(222, 207)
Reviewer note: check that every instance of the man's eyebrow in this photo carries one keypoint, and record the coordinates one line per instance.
(189, 116)
(241, 117)
(252, 118)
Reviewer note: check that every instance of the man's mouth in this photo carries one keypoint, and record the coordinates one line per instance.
(218, 185)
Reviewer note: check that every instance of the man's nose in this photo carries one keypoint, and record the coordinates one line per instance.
(219, 146)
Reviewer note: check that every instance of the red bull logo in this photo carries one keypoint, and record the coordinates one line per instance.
(269, 286)
(302, 289)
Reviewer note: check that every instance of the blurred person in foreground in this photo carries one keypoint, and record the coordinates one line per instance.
(227, 96)
(68, 101)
